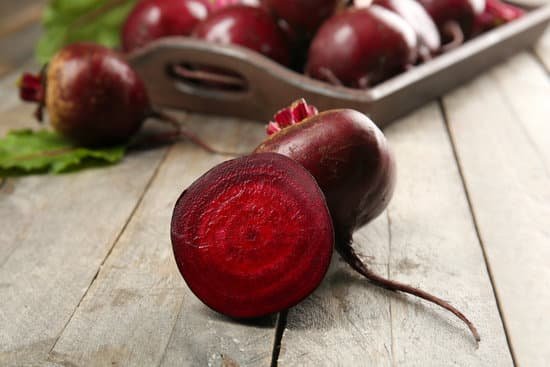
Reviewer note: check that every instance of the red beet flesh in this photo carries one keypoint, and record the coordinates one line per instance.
(152, 19)
(253, 235)
(362, 47)
(246, 26)
(93, 96)
(302, 15)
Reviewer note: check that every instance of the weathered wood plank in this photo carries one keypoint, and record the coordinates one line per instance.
(434, 245)
(54, 234)
(429, 241)
(139, 306)
(59, 229)
(15, 16)
(542, 49)
(499, 125)
(346, 321)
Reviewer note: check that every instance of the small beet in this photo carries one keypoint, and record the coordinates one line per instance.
(94, 98)
(253, 235)
(360, 47)
(153, 19)
(246, 26)
(495, 14)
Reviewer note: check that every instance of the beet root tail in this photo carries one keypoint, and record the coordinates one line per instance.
(181, 131)
(350, 256)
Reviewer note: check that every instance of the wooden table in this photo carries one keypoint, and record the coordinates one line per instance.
(87, 276)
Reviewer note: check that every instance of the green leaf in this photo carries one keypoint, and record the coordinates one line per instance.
(68, 21)
(27, 151)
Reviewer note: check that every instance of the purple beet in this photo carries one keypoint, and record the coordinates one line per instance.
(354, 167)
(360, 47)
(153, 19)
(246, 26)
(94, 98)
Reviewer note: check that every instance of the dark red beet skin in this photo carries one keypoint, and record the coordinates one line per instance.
(302, 15)
(253, 235)
(361, 47)
(350, 159)
(246, 26)
(93, 96)
(152, 19)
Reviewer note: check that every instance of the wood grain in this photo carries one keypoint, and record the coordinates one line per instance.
(427, 239)
(54, 234)
(502, 140)
(434, 246)
(542, 49)
(139, 306)
(14, 20)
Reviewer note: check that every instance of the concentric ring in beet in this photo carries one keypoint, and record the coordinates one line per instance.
(253, 235)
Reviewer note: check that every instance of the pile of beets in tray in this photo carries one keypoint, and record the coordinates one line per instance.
(353, 43)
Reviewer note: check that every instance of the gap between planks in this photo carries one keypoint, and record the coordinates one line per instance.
(476, 228)
(119, 235)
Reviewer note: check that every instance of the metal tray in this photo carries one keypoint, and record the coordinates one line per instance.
(271, 86)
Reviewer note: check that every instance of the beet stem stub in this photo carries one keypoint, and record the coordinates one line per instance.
(349, 255)
(253, 236)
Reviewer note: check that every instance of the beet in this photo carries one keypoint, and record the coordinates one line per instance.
(152, 19)
(348, 156)
(302, 15)
(354, 167)
(253, 235)
(418, 18)
(94, 98)
(246, 26)
(360, 47)
(454, 18)
(92, 95)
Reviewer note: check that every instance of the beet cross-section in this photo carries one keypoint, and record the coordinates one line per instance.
(253, 235)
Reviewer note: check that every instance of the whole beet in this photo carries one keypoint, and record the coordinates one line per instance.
(152, 19)
(93, 96)
(350, 159)
(246, 26)
(353, 165)
(360, 47)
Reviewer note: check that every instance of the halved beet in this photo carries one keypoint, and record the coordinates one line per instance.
(253, 235)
